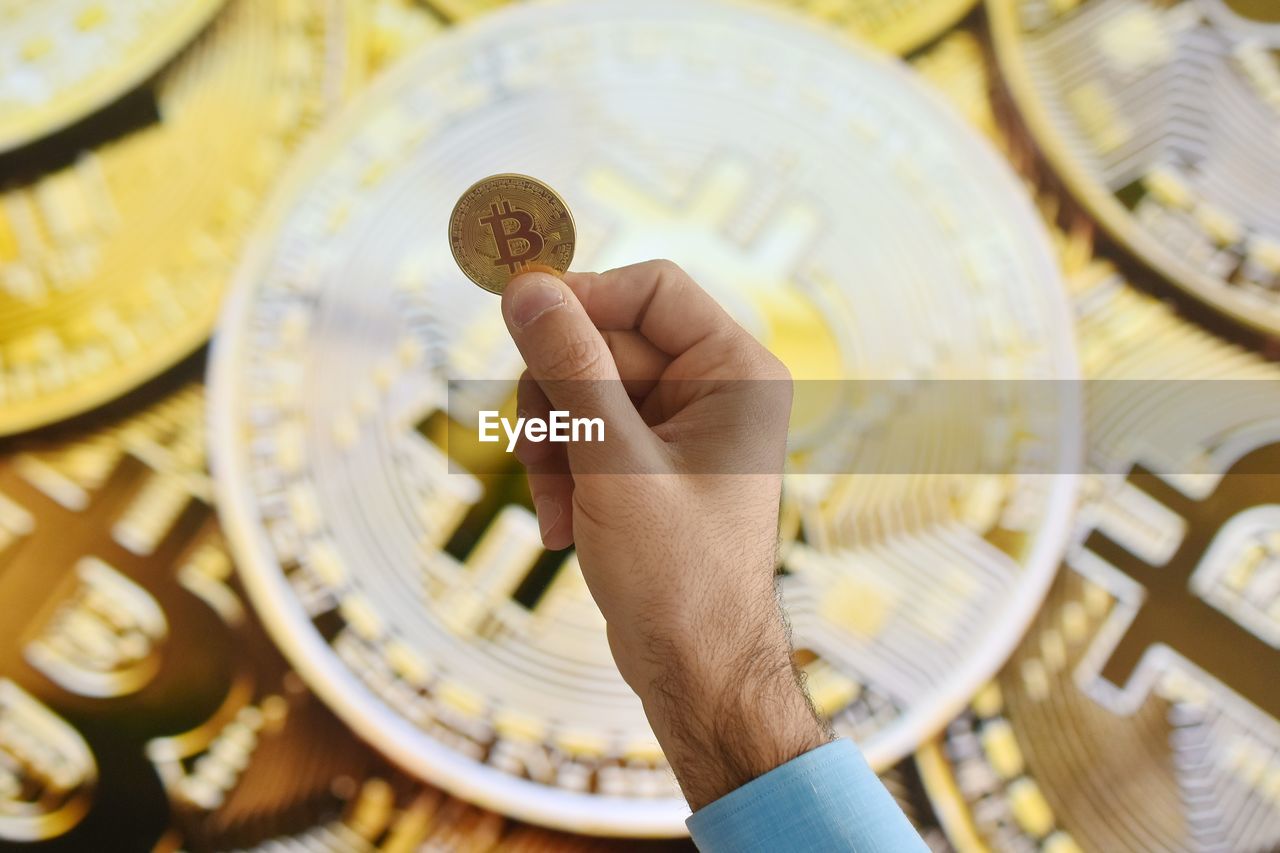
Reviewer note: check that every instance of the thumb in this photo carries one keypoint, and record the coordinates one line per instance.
(568, 357)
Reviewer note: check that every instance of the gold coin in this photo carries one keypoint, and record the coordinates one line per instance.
(62, 59)
(114, 249)
(896, 26)
(509, 224)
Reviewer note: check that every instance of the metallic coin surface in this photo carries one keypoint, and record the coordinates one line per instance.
(898, 26)
(507, 224)
(1142, 711)
(139, 698)
(62, 59)
(115, 245)
(142, 705)
(397, 561)
(1163, 119)
(134, 682)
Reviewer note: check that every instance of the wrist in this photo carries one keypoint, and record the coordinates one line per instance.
(726, 713)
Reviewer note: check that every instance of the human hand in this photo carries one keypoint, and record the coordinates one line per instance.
(675, 514)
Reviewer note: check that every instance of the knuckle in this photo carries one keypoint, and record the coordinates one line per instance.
(576, 359)
(769, 366)
(669, 275)
(753, 360)
(590, 513)
(667, 268)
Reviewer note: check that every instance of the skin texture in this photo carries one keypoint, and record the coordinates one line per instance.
(675, 515)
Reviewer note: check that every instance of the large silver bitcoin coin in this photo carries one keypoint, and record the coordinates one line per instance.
(1163, 118)
(840, 211)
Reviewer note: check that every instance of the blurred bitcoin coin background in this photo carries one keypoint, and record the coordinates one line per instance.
(417, 600)
(1141, 711)
(141, 703)
(134, 164)
(1138, 713)
(62, 59)
(117, 235)
(1161, 118)
(898, 26)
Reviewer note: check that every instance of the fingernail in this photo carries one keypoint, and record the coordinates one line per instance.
(533, 300)
(548, 514)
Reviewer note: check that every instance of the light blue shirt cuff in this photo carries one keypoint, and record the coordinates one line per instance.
(826, 800)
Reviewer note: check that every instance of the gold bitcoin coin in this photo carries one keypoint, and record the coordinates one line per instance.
(62, 59)
(957, 68)
(1163, 120)
(898, 26)
(115, 245)
(508, 224)
(133, 680)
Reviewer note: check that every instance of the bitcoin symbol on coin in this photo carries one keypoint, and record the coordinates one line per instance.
(524, 234)
(1219, 644)
(527, 226)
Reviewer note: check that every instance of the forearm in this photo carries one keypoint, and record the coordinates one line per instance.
(682, 564)
(725, 701)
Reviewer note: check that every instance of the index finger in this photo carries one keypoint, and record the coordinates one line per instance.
(655, 298)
